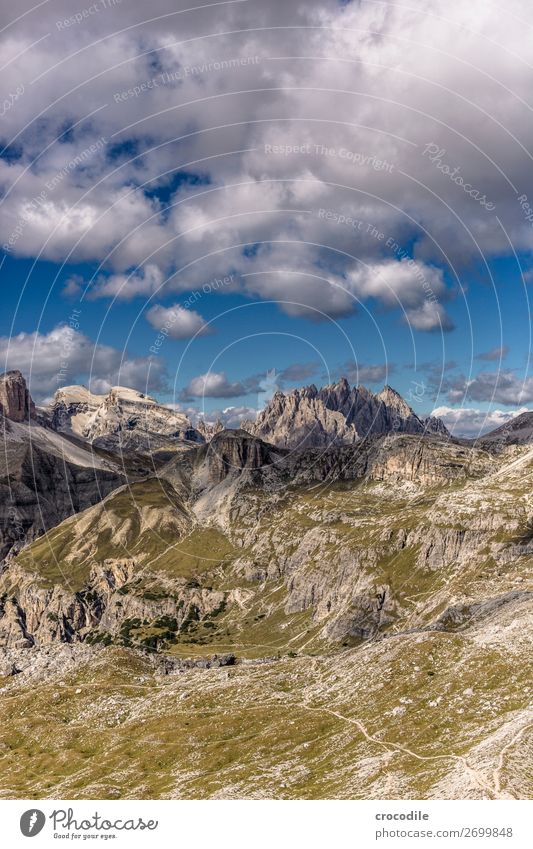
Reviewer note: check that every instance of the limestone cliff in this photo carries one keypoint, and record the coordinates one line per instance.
(15, 400)
(336, 415)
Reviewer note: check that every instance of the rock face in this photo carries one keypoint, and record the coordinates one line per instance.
(518, 431)
(385, 412)
(161, 547)
(43, 477)
(34, 615)
(39, 488)
(435, 426)
(122, 412)
(231, 452)
(301, 419)
(15, 400)
(73, 408)
(336, 415)
(209, 429)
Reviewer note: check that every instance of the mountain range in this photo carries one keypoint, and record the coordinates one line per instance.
(340, 588)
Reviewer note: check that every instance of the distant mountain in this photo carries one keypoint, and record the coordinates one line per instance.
(436, 427)
(302, 419)
(517, 431)
(65, 457)
(209, 429)
(337, 415)
(122, 417)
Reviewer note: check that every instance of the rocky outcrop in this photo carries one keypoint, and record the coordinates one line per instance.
(461, 616)
(436, 427)
(44, 478)
(371, 414)
(301, 420)
(15, 400)
(209, 429)
(426, 462)
(73, 408)
(231, 452)
(337, 415)
(517, 431)
(38, 490)
(35, 615)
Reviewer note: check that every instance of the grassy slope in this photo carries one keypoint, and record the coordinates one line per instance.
(269, 730)
(294, 728)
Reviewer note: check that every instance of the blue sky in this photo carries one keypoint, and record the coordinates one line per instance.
(252, 336)
(372, 210)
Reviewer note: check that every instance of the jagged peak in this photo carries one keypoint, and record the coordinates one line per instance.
(341, 383)
(310, 391)
(388, 392)
(434, 425)
(13, 373)
(364, 391)
(391, 398)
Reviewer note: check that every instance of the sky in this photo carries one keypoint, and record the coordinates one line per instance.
(211, 201)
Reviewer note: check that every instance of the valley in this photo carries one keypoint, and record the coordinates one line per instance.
(254, 619)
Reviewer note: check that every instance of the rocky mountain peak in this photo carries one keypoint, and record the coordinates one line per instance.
(391, 398)
(517, 431)
(209, 429)
(336, 395)
(15, 400)
(72, 408)
(122, 411)
(436, 426)
(309, 391)
(336, 414)
(302, 419)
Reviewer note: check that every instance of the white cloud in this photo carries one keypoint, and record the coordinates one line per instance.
(231, 417)
(177, 322)
(384, 82)
(430, 315)
(65, 356)
(213, 385)
(471, 423)
(145, 281)
(500, 387)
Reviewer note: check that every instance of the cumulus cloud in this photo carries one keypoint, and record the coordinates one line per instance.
(231, 417)
(215, 384)
(328, 167)
(144, 281)
(429, 316)
(361, 373)
(471, 423)
(177, 322)
(500, 387)
(65, 356)
(498, 353)
(298, 371)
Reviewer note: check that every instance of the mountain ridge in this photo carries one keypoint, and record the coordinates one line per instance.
(337, 414)
(382, 582)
